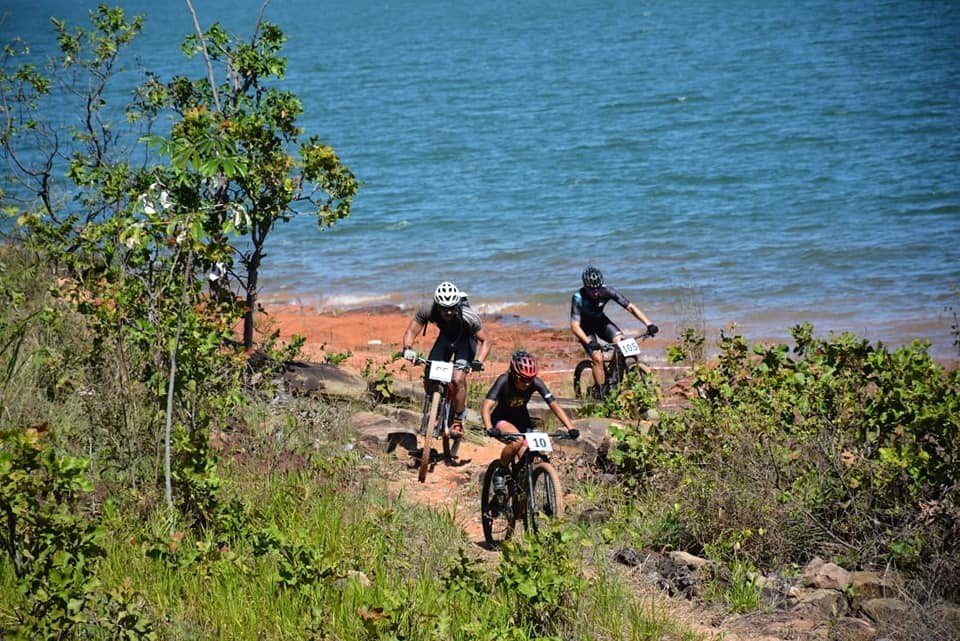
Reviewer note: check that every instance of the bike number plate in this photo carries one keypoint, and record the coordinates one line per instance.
(538, 442)
(441, 371)
(629, 347)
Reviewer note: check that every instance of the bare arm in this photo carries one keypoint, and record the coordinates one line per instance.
(561, 414)
(483, 345)
(410, 335)
(638, 314)
(578, 332)
(486, 410)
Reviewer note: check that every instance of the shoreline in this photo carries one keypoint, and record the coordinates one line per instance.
(372, 335)
(756, 324)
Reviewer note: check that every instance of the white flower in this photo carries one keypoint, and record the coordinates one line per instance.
(165, 201)
(146, 204)
(133, 235)
(240, 216)
(219, 271)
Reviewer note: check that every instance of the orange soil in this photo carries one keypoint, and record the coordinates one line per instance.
(373, 336)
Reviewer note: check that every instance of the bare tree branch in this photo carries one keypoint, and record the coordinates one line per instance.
(256, 28)
(206, 56)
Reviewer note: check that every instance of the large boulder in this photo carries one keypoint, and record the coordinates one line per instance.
(828, 576)
(379, 433)
(323, 380)
(885, 610)
(540, 410)
(412, 391)
(824, 603)
(595, 439)
(403, 415)
(865, 585)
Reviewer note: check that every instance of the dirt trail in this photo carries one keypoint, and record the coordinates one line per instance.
(454, 487)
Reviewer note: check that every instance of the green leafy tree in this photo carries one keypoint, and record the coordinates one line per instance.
(239, 152)
(136, 241)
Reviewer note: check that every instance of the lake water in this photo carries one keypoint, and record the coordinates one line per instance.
(750, 162)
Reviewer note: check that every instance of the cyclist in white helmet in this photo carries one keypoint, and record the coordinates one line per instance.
(588, 322)
(461, 337)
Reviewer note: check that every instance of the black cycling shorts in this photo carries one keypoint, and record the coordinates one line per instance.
(603, 328)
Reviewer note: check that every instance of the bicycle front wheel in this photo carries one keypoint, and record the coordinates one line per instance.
(638, 368)
(428, 436)
(547, 499)
(498, 514)
(584, 385)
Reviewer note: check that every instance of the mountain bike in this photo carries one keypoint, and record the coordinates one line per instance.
(533, 490)
(618, 359)
(437, 412)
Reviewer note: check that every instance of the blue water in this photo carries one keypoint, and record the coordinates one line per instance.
(746, 161)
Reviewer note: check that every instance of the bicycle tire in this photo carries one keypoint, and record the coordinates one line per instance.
(583, 382)
(428, 436)
(443, 423)
(498, 522)
(640, 367)
(547, 495)
(615, 372)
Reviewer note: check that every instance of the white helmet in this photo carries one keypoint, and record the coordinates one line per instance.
(447, 294)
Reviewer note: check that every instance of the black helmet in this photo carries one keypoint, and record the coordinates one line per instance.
(592, 277)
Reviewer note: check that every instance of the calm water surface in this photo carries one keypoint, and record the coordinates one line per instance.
(740, 161)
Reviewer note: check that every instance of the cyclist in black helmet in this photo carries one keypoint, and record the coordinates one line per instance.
(461, 337)
(589, 322)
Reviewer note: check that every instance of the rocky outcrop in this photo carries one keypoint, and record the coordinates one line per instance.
(822, 598)
(379, 433)
(323, 380)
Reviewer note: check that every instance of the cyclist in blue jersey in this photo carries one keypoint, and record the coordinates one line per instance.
(461, 337)
(589, 322)
(504, 410)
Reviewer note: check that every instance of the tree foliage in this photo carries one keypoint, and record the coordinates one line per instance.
(236, 148)
(150, 214)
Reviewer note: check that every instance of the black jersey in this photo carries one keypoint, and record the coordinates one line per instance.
(464, 324)
(512, 402)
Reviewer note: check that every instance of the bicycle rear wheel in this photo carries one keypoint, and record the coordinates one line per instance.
(425, 453)
(547, 499)
(498, 515)
(584, 385)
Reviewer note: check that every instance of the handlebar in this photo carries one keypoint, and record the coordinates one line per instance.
(509, 437)
(606, 347)
(464, 367)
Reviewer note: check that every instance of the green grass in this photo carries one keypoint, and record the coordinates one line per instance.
(385, 561)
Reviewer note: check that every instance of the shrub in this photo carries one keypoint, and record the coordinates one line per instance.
(836, 447)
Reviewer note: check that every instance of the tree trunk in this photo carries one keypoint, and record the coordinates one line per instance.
(253, 268)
